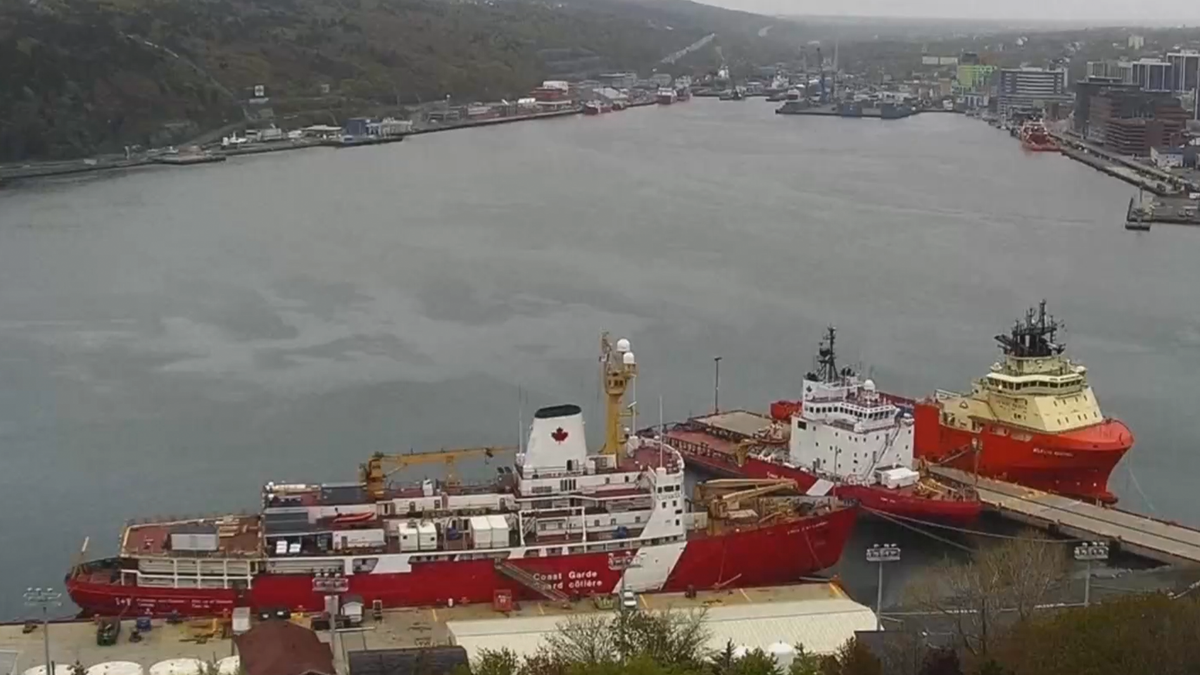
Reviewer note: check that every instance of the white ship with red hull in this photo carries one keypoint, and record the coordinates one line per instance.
(559, 523)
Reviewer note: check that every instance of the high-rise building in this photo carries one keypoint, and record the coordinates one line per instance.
(1030, 87)
(1136, 41)
(1122, 70)
(1152, 75)
(1085, 90)
(1131, 121)
(1185, 70)
(973, 77)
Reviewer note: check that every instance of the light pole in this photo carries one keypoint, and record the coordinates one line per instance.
(1089, 552)
(717, 385)
(882, 553)
(331, 586)
(44, 598)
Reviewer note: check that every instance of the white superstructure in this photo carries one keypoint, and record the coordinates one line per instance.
(846, 430)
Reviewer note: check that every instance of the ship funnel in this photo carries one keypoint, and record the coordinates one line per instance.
(556, 439)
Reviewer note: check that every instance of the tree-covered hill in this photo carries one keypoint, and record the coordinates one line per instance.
(84, 76)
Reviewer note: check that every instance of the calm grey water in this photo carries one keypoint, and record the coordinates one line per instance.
(171, 339)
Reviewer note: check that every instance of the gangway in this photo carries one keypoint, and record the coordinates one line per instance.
(531, 582)
(1152, 538)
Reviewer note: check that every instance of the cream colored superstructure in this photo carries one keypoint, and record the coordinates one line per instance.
(1042, 394)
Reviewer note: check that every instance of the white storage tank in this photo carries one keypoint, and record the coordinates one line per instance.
(481, 532)
(230, 665)
(783, 653)
(499, 531)
(178, 667)
(116, 668)
(59, 669)
(408, 536)
(427, 536)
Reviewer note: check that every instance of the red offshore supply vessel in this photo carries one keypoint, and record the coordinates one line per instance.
(1036, 137)
(843, 438)
(1032, 420)
(557, 523)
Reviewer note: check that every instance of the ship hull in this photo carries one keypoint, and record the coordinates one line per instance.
(1076, 463)
(871, 497)
(778, 554)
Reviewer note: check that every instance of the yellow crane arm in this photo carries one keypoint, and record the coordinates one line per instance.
(374, 475)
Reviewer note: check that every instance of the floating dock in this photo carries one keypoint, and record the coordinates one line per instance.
(1151, 538)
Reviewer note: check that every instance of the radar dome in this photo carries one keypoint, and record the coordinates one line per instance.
(622, 345)
(628, 359)
(869, 385)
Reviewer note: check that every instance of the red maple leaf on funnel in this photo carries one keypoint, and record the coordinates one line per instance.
(559, 435)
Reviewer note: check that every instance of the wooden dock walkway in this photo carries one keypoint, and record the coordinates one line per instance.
(1148, 537)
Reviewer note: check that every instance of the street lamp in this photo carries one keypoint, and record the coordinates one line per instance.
(882, 553)
(1089, 552)
(44, 598)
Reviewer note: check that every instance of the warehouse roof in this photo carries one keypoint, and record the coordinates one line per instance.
(820, 625)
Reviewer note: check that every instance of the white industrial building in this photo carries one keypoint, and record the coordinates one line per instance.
(821, 626)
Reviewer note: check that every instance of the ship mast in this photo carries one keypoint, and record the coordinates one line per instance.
(825, 361)
(617, 370)
(1036, 337)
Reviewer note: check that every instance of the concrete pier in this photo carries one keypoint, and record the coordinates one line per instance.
(1151, 538)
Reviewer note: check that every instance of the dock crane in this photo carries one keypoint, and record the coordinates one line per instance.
(374, 476)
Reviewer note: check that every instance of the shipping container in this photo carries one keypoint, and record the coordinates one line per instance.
(481, 532)
(427, 536)
(499, 531)
(350, 539)
(408, 536)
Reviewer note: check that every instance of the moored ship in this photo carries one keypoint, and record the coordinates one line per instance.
(559, 522)
(843, 438)
(1033, 419)
(666, 96)
(1036, 137)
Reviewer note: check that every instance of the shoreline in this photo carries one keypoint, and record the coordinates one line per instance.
(9, 178)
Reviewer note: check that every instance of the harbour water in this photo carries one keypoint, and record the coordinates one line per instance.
(170, 339)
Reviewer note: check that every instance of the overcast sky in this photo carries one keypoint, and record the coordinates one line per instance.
(1155, 12)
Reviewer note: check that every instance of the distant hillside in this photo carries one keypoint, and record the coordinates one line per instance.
(82, 76)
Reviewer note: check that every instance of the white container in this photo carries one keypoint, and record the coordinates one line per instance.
(178, 667)
(194, 541)
(116, 668)
(899, 478)
(427, 536)
(408, 536)
(230, 665)
(241, 620)
(499, 531)
(481, 532)
(351, 539)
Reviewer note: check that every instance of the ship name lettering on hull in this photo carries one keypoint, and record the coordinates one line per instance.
(574, 580)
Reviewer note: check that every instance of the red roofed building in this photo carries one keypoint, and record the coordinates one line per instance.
(278, 647)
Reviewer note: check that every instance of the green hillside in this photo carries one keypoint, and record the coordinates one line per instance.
(84, 76)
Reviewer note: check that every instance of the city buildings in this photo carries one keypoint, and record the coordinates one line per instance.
(1121, 70)
(973, 77)
(1153, 75)
(1030, 88)
(1136, 42)
(1185, 70)
(1132, 122)
(1085, 90)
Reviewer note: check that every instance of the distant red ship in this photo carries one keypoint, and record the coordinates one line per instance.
(1032, 419)
(844, 438)
(1036, 137)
